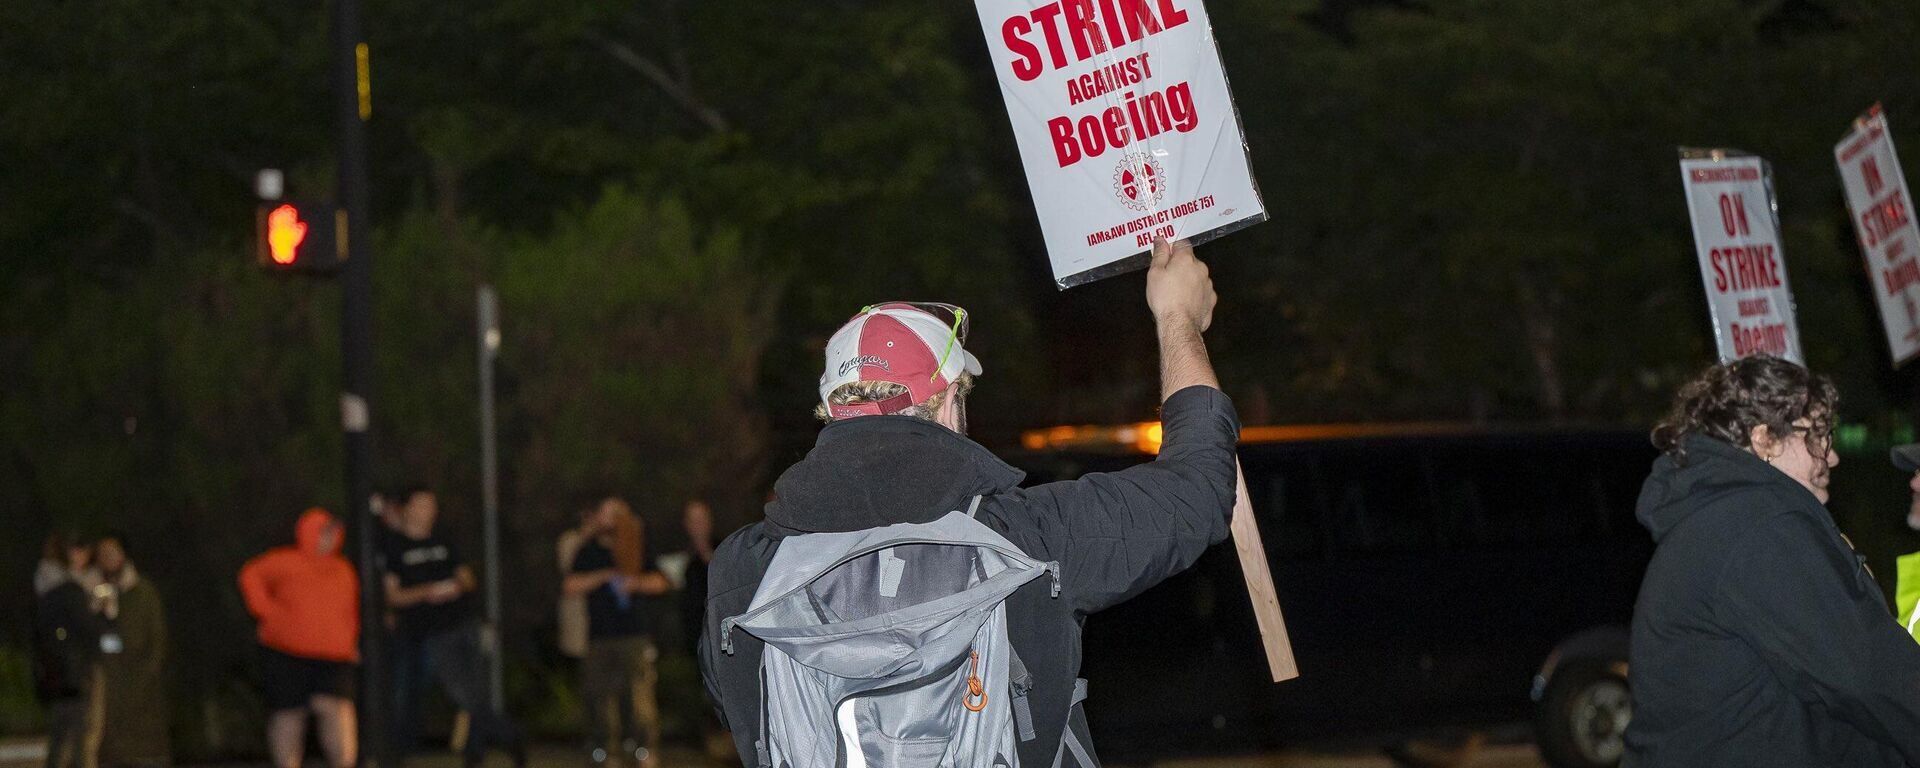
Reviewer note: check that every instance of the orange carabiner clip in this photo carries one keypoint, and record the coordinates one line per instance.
(976, 698)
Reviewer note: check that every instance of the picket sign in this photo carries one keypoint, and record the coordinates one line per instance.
(1125, 126)
(1882, 213)
(1736, 230)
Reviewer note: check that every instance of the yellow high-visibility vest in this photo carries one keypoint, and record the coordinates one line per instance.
(1906, 589)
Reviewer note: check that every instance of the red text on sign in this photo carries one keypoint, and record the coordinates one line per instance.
(1870, 173)
(1733, 215)
(1874, 131)
(1880, 221)
(1141, 228)
(1146, 238)
(1713, 175)
(1903, 273)
(1118, 126)
(1755, 339)
(1124, 73)
(1756, 307)
(1744, 267)
(1088, 27)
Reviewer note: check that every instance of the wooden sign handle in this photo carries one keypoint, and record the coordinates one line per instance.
(1266, 601)
(630, 547)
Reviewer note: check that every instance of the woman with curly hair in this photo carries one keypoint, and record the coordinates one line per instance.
(1760, 639)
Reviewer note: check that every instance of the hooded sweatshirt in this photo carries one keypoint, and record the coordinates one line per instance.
(307, 600)
(1759, 639)
(1114, 535)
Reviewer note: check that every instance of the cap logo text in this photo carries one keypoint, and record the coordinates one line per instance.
(873, 360)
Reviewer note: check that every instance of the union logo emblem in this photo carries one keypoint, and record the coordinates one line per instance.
(1139, 180)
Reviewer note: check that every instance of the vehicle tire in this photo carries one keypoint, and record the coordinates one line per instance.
(1582, 718)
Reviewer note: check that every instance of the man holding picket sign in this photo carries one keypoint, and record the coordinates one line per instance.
(905, 602)
(1128, 134)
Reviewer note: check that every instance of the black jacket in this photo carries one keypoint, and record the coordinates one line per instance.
(1759, 639)
(67, 641)
(1114, 535)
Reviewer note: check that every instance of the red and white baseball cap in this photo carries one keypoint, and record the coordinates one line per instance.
(904, 343)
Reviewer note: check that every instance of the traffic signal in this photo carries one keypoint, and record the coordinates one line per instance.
(301, 237)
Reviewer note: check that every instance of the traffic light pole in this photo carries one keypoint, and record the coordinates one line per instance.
(352, 108)
(487, 322)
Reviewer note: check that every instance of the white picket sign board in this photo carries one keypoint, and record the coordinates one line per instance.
(1125, 125)
(1884, 221)
(1736, 230)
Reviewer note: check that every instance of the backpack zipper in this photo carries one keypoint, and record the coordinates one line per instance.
(1052, 568)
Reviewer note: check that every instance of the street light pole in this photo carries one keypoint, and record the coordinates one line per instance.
(353, 107)
(487, 320)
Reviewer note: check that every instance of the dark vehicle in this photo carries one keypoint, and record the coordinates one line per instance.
(1435, 579)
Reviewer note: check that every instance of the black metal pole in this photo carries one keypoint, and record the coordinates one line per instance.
(487, 320)
(352, 109)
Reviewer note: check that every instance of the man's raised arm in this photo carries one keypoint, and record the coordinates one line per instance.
(1116, 534)
(1180, 293)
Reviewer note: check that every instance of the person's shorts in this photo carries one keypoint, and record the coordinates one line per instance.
(291, 682)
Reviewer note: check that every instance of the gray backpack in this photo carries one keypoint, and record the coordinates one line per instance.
(887, 648)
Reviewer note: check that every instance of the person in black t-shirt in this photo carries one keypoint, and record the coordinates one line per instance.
(405, 672)
(618, 672)
(429, 587)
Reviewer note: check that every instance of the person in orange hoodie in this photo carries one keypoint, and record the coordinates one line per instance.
(307, 600)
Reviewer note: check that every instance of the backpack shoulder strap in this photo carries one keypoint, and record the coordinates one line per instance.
(1070, 737)
(762, 753)
(1020, 686)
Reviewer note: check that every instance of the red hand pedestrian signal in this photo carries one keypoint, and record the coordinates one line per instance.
(296, 236)
(285, 231)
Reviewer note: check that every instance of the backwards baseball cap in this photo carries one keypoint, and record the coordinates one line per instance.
(915, 345)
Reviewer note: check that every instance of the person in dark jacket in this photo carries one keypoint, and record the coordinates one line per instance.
(133, 662)
(67, 631)
(1760, 638)
(895, 451)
